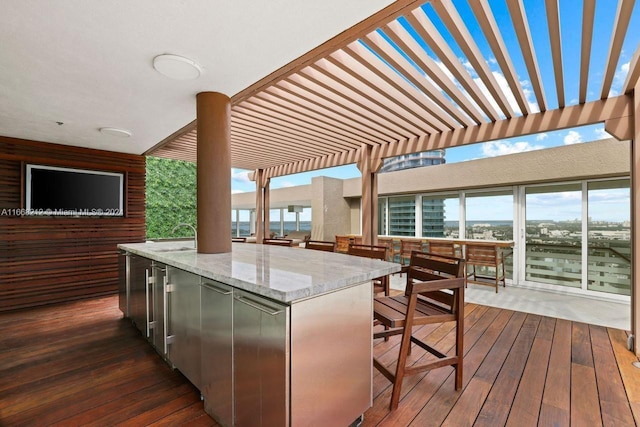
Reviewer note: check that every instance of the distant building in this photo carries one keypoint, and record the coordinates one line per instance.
(432, 210)
(414, 160)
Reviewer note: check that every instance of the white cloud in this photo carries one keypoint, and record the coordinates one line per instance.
(236, 191)
(572, 137)
(541, 136)
(601, 133)
(618, 79)
(240, 176)
(500, 148)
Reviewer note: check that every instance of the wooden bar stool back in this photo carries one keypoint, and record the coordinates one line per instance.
(434, 294)
(489, 259)
(380, 284)
(408, 246)
(342, 243)
(390, 245)
(320, 245)
(277, 242)
(444, 248)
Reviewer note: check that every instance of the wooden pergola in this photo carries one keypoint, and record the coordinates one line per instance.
(394, 85)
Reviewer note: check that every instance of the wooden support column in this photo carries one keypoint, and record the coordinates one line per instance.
(214, 172)
(635, 221)
(267, 209)
(369, 165)
(262, 205)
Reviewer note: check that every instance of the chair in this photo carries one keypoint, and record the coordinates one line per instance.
(391, 248)
(320, 245)
(376, 252)
(239, 239)
(444, 248)
(278, 242)
(406, 247)
(434, 294)
(342, 243)
(487, 257)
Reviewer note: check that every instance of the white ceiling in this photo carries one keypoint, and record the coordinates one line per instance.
(88, 63)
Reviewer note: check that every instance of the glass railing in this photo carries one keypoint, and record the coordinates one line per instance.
(609, 268)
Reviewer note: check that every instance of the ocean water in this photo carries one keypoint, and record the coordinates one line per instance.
(275, 227)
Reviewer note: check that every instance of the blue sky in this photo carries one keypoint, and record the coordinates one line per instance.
(571, 22)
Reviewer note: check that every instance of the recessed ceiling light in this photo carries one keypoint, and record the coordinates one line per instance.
(177, 67)
(122, 133)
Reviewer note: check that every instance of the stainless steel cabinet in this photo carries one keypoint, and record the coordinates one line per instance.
(261, 361)
(140, 303)
(217, 350)
(184, 323)
(160, 308)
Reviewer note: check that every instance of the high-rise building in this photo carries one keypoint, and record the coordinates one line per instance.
(401, 212)
(414, 160)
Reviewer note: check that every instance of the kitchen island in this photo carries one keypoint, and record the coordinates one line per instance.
(270, 335)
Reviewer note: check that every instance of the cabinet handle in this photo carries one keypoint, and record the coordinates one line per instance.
(258, 306)
(146, 292)
(216, 289)
(165, 309)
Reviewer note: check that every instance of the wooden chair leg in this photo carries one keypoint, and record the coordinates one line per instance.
(405, 346)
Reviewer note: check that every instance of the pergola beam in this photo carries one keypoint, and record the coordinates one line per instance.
(430, 34)
(620, 25)
(460, 33)
(588, 13)
(521, 25)
(620, 107)
(633, 77)
(553, 22)
(491, 31)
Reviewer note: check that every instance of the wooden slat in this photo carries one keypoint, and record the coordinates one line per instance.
(52, 259)
(634, 73)
(553, 22)
(456, 26)
(429, 33)
(521, 25)
(588, 13)
(491, 31)
(620, 25)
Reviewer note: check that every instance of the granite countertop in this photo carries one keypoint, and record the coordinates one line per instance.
(280, 273)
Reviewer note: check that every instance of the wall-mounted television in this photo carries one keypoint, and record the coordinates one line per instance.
(57, 191)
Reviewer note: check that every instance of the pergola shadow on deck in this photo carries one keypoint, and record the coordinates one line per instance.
(81, 363)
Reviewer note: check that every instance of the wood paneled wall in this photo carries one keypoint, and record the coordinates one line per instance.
(45, 260)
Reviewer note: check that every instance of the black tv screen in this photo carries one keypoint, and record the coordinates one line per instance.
(73, 192)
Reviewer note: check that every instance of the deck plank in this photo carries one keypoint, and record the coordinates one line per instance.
(556, 404)
(80, 363)
(616, 411)
(500, 400)
(525, 410)
(585, 408)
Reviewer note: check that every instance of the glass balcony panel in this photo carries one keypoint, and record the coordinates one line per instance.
(554, 234)
(489, 216)
(440, 216)
(402, 216)
(609, 234)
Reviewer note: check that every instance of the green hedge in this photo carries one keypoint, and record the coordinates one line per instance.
(170, 197)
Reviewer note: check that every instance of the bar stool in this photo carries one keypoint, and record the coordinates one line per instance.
(320, 245)
(434, 294)
(376, 252)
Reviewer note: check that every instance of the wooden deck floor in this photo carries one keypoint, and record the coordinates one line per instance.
(82, 364)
